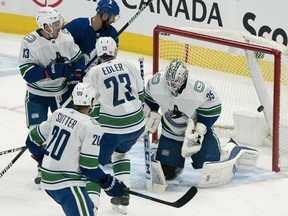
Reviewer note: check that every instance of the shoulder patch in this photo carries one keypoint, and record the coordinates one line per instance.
(30, 38)
(199, 86)
(156, 78)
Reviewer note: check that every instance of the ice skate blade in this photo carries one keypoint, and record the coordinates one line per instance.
(120, 209)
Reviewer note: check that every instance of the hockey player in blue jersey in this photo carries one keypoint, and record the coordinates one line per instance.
(189, 108)
(48, 61)
(67, 148)
(86, 31)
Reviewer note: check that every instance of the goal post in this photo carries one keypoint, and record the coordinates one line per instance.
(246, 71)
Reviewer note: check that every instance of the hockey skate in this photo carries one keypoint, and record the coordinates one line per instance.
(119, 204)
(37, 180)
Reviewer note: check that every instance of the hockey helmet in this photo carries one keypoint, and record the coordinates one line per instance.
(48, 15)
(106, 46)
(83, 94)
(108, 6)
(176, 74)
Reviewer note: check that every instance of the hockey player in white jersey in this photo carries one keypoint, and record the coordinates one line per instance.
(67, 147)
(119, 102)
(189, 108)
(48, 59)
(50, 63)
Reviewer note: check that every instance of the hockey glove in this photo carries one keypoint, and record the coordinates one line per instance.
(74, 79)
(146, 111)
(38, 159)
(193, 138)
(77, 74)
(112, 186)
(56, 70)
(152, 123)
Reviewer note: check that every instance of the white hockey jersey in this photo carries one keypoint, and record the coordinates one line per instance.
(72, 141)
(36, 50)
(119, 94)
(197, 98)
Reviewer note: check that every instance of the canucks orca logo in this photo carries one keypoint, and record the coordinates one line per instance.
(176, 118)
(60, 59)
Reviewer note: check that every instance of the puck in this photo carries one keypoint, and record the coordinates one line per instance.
(260, 108)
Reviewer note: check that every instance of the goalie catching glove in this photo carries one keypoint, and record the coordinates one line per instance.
(194, 136)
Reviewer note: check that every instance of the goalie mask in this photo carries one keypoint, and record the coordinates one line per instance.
(83, 94)
(48, 15)
(106, 46)
(176, 74)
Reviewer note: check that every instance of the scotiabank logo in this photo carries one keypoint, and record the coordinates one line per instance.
(277, 34)
(51, 3)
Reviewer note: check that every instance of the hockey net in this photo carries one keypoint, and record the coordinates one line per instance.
(246, 71)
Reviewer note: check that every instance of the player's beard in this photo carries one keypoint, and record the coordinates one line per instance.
(105, 24)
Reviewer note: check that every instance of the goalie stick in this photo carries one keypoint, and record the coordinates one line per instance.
(177, 204)
(148, 170)
(118, 34)
(13, 161)
(155, 179)
(12, 150)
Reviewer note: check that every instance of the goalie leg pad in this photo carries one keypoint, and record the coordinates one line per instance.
(219, 173)
(248, 159)
(159, 184)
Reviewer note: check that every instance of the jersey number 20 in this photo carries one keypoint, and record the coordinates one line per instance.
(60, 139)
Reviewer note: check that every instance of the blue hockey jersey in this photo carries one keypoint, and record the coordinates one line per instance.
(85, 37)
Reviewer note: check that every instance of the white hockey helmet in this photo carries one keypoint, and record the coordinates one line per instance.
(48, 15)
(176, 74)
(83, 94)
(106, 46)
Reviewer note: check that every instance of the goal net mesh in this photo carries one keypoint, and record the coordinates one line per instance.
(243, 69)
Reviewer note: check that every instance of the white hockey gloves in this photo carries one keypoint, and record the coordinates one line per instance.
(193, 138)
(153, 120)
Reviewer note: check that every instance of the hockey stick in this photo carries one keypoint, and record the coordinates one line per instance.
(177, 204)
(12, 150)
(155, 179)
(124, 27)
(149, 183)
(148, 171)
(13, 161)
